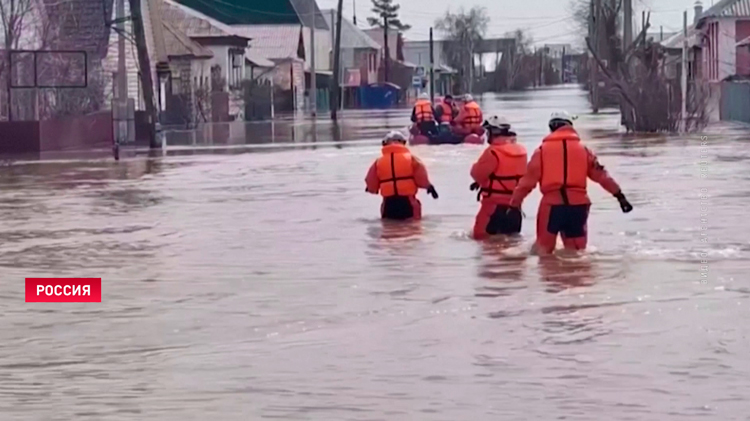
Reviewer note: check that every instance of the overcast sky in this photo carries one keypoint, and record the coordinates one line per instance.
(547, 20)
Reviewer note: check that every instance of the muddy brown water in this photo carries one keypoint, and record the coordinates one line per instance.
(243, 286)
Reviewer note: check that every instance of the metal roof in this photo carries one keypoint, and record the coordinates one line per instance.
(246, 12)
(191, 22)
(180, 45)
(351, 36)
(257, 59)
(676, 40)
(309, 13)
(728, 9)
(272, 41)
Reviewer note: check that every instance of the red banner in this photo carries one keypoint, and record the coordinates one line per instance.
(63, 290)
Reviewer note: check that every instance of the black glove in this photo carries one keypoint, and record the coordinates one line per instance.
(474, 186)
(624, 204)
(432, 192)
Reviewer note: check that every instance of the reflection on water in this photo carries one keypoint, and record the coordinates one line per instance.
(259, 285)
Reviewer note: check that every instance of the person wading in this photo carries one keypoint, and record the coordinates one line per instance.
(496, 174)
(561, 166)
(397, 175)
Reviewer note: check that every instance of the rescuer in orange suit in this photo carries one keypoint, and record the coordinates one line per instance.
(495, 175)
(561, 166)
(469, 119)
(397, 175)
(423, 115)
(445, 111)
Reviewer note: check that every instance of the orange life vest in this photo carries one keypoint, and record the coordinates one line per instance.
(447, 115)
(396, 172)
(564, 163)
(511, 166)
(423, 111)
(473, 117)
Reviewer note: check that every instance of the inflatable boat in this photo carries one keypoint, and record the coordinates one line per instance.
(443, 138)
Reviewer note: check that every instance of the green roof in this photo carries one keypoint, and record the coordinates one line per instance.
(246, 12)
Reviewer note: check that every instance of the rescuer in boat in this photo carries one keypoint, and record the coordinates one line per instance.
(496, 174)
(445, 111)
(561, 166)
(423, 115)
(397, 175)
(469, 119)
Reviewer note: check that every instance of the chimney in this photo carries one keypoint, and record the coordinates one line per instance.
(698, 7)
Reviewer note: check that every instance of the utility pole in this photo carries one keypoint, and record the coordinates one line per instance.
(627, 41)
(120, 108)
(122, 75)
(313, 93)
(542, 82)
(354, 11)
(337, 63)
(683, 115)
(627, 38)
(432, 68)
(387, 52)
(145, 65)
(594, 67)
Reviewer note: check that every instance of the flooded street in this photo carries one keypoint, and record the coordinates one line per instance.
(244, 286)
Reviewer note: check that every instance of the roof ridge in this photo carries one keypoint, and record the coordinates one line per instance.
(193, 47)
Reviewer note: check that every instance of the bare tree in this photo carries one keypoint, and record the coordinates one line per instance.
(650, 102)
(522, 69)
(464, 31)
(26, 24)
(14, 15)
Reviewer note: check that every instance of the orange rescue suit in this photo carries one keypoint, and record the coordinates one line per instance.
(497, 171)
(470, 117)
(398, 173)
(423, 111)
(561, 167)
(510, 166)
(447, 112)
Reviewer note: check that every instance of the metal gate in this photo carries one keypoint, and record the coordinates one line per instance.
(735, 101)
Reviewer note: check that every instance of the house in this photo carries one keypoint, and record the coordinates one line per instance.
(360, 54)
(418, 52)
(228, 50)
(283, 45)
(716, 53)
(189, 54)
(274, 19)
(397, 70)
(360, 59)
(722, 27)
(660, 36)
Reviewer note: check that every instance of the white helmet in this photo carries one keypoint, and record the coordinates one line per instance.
(562, 116)
(394, 135)
(497, 122)
(468, 98)
(423, 95)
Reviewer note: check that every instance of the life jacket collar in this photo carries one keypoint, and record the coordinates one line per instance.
(394, 148)
(563, 133)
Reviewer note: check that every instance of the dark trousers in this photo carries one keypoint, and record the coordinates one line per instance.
(401, 208)
(427, 128)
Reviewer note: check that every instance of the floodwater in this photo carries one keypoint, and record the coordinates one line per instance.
(245, 286)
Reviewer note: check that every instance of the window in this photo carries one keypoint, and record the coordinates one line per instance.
(236, 61)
